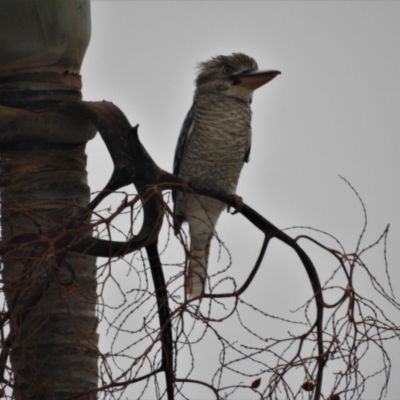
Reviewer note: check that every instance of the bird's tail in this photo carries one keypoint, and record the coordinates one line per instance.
(198, 263)
(202, 223)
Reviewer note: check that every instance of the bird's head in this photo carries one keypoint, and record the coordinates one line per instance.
(236, 75)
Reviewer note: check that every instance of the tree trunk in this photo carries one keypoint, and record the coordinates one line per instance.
(50, 293)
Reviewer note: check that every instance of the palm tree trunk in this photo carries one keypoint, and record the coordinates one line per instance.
(50, 293)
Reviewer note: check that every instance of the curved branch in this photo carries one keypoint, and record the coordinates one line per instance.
(132, 164)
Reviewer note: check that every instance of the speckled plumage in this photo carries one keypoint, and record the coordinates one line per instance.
(213, 145)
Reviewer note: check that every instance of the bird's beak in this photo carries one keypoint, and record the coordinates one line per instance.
(253, 80)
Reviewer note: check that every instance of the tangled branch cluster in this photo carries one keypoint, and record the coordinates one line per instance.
(222, 344)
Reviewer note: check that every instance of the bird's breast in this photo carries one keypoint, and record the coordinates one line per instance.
(220, 138)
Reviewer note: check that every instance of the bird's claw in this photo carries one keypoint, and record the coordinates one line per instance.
(238, 205)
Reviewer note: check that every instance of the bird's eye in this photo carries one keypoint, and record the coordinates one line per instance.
(227, 70)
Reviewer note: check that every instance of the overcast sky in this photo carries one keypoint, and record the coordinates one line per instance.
(334, 110)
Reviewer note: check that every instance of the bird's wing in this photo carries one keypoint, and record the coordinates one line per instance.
(247, 154)
(184, 135)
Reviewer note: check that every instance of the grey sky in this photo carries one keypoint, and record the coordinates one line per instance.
(334, 110)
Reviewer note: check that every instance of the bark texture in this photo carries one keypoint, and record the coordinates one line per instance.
(51, 294)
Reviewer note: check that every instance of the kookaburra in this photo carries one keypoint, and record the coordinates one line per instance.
(213, 145)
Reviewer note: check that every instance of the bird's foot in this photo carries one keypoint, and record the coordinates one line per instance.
(238, 204)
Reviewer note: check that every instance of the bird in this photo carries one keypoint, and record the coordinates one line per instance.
(213, 145)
